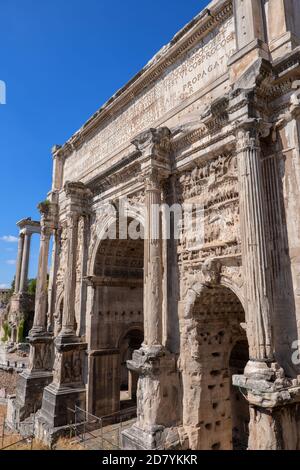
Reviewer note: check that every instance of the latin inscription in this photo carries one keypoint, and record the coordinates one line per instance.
(196, 69)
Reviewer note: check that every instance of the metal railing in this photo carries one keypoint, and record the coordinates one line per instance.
(12, 365)
(103, 433)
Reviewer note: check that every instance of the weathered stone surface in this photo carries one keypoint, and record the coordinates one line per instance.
(206, 326)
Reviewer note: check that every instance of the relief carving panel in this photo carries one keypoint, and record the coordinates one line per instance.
(212, 187)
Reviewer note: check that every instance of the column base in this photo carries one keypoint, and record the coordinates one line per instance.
(32, 381)
(44, 428)
(29, 393)
(158, 397)
(261, 370)
(65, 392)
(274, 407)
(58, 404)
(159, 438)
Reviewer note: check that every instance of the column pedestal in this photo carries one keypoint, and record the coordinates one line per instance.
(33, 380)
(66, 390)
(274, 409)
(158, 401)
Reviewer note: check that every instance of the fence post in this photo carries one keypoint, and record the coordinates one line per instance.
(84, 434)
(120, 432)
(3, 431)
(75, 418)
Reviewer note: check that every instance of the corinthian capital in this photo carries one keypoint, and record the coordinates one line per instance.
(48, 211)
(152, 179)
(249, 131)
(154, 143)
(155, 147)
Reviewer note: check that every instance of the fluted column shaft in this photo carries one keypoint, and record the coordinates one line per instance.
(19, 262)
(68, 321)
(25, 263)
(153, 264)
(40, 315)
(254, 244)
(52, 280)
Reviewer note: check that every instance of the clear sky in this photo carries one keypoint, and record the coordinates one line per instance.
(61, 60)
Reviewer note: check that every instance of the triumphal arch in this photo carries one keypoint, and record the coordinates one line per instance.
(196, 316)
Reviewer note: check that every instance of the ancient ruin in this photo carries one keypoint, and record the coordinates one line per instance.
(17, 317)
(202, 333)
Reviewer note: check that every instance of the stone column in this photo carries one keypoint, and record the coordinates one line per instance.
(40, 314)
(271, 395)
(153, 295)
(67, 388)
(25, 263)
(254, 245)
(158, 385)
(58, 167)
(19, 263)
(68, 320)
(39, 373)
(52, 290)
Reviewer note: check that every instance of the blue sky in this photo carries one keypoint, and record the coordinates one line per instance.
(61, 60)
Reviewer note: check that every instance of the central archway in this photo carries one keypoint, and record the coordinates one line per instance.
(118, 330)
(216, 415)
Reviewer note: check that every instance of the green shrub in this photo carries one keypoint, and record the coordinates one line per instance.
(7, 332)
(21, 331)
(31, 287)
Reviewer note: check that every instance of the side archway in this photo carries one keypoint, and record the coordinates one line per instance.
(117, 313)
(213, 320)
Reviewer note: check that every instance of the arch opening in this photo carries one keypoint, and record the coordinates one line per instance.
(118, 327)
(219, 350)
(131, 342)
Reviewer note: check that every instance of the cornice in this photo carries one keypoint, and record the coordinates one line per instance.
(124, 166)
(182, 42)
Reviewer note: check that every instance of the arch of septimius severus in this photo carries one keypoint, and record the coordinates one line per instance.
(208, 331)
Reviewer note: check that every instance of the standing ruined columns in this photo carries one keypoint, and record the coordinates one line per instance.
(254, 243)
(21, 300)
(19, 263)
(25, 262)
(39, 372)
